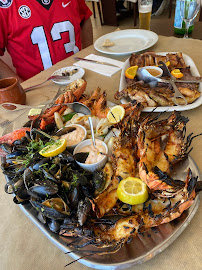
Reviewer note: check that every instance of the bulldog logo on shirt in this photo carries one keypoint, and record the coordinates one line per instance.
(5, 3)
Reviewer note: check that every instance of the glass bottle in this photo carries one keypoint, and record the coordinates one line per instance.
(179, 24)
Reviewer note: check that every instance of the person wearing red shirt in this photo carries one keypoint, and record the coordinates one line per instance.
(39, 33)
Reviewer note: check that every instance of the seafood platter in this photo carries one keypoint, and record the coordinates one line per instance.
(85, 212)
(160, 97)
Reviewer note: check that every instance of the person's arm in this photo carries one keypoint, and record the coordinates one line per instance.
(6, 71)
(86, 34)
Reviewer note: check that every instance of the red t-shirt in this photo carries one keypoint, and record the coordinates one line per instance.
(39, 33)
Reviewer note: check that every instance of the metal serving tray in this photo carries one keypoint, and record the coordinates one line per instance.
(143, 247)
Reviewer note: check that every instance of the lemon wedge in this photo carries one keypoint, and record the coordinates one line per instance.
(132, 191)
(116, 114)
(54, 149)
(131, 72)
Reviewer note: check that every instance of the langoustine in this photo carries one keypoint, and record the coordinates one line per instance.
(123, 160)
(155, 157)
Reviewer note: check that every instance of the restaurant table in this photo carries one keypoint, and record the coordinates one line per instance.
(23, 246)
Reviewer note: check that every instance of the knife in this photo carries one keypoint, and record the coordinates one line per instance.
(96, 62)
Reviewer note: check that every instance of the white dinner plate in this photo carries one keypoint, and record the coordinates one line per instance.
(127, 41)
(79, 74)
(194, 72)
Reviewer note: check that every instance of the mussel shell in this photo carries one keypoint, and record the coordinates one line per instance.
(99, 181)
(22, 142)
(49, 212)
(54, 225)
(6, 147)
(64, 130)
(14, 154)
(11, 186)
(49, 176)
(12, 170)
(22, 148)
(43, 188)
(41, 218)
(81, 157)
(66, 157)
(75, 195)
(23, 194)
(37, 166)
(88, 190)
(84, 207)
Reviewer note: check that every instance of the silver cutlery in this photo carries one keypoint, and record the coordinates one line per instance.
(143, 74)
(54, 77)
(96, 62)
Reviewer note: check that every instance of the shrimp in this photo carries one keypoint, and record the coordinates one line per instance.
(101, 108)
(11, 137)
(92, 100)
(157, 155)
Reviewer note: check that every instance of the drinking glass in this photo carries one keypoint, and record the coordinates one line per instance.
(188, 11)
(144, 8)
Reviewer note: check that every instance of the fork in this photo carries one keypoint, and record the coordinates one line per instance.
(53, 77)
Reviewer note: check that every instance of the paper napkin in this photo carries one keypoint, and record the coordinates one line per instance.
(100, 68)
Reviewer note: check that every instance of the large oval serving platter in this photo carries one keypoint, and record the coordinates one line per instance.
(194, 71)
(143, 247)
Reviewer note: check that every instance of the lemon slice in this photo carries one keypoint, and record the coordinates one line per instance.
(116, 114)
(132, 191)
(131, 72)
(54, 149)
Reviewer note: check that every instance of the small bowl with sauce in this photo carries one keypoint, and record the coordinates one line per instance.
(75, 136)
(95, 160)
(154, 71)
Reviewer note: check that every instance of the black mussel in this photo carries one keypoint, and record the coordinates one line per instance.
(28, 178)
(65, 130)
(66, 157)
(54, 225)
(12, 170)
(99, 181)
(22, 194)
(49, 176)
(81, 157)
(41, 218)
(54, 208)
(75, 195)
(37, 166)
(11, 186)
(50, 128)
(14, 154)
(6, 147)
(43, 188)
(22, 148)
(84, 207)
(88, 190)
(39, 188)
(22, 141)
(21, 197)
